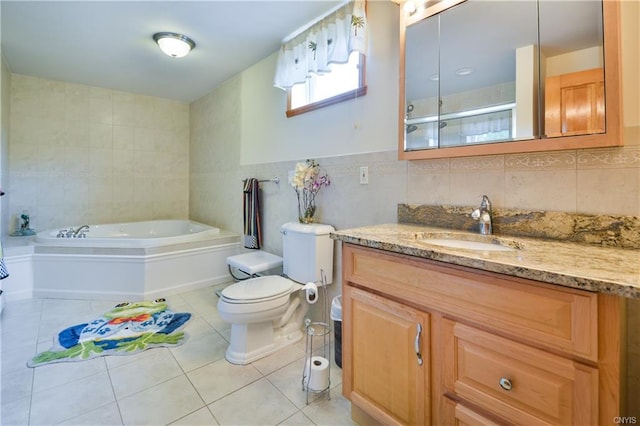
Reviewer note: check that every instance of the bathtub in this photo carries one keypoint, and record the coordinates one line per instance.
(149, 233)
(131, 261)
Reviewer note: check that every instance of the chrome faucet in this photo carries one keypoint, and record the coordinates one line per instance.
(483, 216)
(73, 233)
(80, 232)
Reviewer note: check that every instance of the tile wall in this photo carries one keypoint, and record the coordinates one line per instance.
(81, 154)
(595, 181)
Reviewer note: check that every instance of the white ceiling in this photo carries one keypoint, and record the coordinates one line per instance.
(109, 43)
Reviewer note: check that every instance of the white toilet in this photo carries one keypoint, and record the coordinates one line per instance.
(266, 312)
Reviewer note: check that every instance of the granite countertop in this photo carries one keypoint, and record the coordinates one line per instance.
(613, 271)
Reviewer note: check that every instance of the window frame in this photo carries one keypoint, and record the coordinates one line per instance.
(361, 90)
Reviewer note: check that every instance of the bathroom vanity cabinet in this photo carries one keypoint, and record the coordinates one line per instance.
(425, 342)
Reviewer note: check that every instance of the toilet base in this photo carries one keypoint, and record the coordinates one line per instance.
(264, 340)
(252, 341)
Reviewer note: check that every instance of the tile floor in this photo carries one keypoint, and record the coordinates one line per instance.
(188, 385)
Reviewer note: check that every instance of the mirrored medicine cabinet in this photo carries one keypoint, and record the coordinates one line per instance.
(482, 77)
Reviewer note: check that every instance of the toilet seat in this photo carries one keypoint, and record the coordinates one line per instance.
(259, 289)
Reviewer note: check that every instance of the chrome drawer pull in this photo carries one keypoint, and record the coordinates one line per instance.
(417, 343)
(505, 384)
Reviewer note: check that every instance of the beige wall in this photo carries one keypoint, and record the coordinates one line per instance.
(359, 126)
(86, 154)
(585, 181)
(80, 154)
(239, 131)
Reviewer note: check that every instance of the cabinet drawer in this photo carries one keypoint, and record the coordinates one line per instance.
(518, 383)
(555, 317)
(459, 415)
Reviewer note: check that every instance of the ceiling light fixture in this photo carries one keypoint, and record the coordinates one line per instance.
(173, 44)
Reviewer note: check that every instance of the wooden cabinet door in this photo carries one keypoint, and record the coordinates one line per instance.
(388, 357)
(574, 103)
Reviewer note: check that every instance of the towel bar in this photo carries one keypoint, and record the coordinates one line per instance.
(275, 180)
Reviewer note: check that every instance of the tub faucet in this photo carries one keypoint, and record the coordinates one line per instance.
(483, 216)
(80, 232)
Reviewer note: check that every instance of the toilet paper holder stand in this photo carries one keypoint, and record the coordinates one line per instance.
(316, 372)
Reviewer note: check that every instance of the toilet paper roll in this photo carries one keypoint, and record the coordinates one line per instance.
(311, 292)
(317, 377)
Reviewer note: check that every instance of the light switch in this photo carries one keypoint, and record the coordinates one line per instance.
(364, 175)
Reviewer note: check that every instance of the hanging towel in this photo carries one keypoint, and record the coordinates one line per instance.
(251, 207)
(3, 268)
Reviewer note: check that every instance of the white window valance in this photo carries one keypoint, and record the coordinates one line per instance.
(329, 40)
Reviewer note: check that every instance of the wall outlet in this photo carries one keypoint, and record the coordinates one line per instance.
(364, 175)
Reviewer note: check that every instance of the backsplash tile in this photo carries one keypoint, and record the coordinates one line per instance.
(553, 189)
(594, 181)
(625, 157)
(564, 160)
(473, 164)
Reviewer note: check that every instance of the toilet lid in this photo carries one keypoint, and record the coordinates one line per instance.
(260, 288)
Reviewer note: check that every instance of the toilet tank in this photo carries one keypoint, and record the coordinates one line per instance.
(306, 250)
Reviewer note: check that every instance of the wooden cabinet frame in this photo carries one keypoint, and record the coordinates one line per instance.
(410, 284)
(613, 99)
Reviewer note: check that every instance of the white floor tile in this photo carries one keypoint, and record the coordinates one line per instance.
(20, 384)
(57, 374)
(16, 337)
(259, 403)
(221, 378)
(15, 358)
(19, 308)
(331, 412)
(76, 310)
(200, 350)
(144, 373)
(107, 415)
(161, 404)
(298, 419)
(279, 359)
(202, 417)
(197, 326)
(156, 386)
(15, 413)
(288, 380)
(70, 400)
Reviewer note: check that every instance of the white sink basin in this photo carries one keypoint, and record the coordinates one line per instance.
(466, 245)
(466, 241)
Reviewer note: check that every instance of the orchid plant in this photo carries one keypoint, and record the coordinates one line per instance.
(307, 180)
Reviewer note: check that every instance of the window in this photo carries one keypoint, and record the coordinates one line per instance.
(343, 82)
(324, 63)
